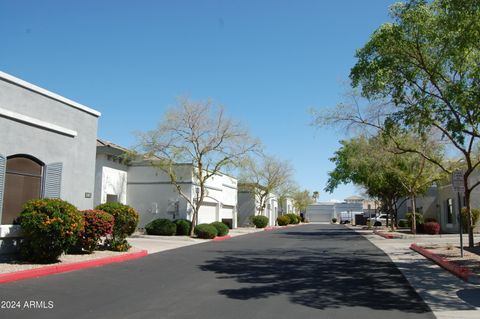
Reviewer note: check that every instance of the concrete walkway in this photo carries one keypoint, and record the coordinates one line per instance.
(155, 244)
(447, 295)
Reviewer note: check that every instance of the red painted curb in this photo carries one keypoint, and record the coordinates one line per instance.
(458, 271)
(56, 269)
(221, 238)
(387, 236)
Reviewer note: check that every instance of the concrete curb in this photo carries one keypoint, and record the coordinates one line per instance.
(386, 235)
(56, 269)
(281, 227)
(222, 238)
(458, 271)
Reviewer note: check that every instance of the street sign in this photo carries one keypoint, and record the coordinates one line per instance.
(457, 182)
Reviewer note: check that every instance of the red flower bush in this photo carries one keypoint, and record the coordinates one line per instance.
(97, 224)
(431, 228)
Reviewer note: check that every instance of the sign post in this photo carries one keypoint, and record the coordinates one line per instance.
(459, 187)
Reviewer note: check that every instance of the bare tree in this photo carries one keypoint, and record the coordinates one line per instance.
(197, 133)
(265, 175)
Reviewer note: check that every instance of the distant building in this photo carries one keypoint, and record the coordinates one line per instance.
(325, 211)
(146, 188)
(249, 203)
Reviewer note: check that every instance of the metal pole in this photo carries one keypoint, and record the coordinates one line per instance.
(460, 222)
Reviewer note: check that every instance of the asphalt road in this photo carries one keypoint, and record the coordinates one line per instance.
(311, 271)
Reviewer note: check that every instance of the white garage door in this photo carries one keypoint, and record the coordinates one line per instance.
(319, 215)
(226, 212)
(207, 213)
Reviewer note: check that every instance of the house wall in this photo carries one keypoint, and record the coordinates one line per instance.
(110, 179)
(151, 193)
(52, 129)
(246, 208)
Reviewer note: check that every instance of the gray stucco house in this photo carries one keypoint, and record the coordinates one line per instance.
(47, 149)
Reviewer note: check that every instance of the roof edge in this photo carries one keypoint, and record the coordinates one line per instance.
(49, 94)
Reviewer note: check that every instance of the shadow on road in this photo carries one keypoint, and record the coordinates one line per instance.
(330, 276)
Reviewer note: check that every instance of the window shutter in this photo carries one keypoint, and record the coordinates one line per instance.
(53, 180)
(3, 166)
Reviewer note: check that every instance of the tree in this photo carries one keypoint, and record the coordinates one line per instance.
(264, 175)
(197, 133)
(315, 196)
(384, 171)
(426, 64)
(301, 200)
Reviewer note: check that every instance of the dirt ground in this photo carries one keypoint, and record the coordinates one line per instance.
(470, 260)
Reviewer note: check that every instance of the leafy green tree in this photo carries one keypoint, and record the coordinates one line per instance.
(315, 196)
(426, 63)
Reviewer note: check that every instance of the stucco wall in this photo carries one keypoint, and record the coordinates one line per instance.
(77, 153)
(110, 178)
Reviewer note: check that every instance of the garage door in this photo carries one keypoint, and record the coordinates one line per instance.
(207, 213)
(319, 214)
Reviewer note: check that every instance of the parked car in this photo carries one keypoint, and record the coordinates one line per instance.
(379, 220)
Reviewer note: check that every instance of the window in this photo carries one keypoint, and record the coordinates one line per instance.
(449, 211)
(23, 181)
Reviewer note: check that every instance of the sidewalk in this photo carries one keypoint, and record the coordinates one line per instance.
(448, 296)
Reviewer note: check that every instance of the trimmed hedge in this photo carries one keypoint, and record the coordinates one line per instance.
(183, 227)
(403, 223)
(126, 221)
(294, 219)
(260, 221)
(334, 220)
(50, 227)
(222, 229)
(418, 219)
(431, 228)
(283, 220)
(96, 224)
(205, 231)
(162, 227)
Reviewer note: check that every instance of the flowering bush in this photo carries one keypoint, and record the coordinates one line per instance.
(50, 227)
(431, 228)
(126, 221)
(97, 224)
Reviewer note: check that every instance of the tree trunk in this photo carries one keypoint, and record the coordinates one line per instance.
(469, 217)
(414, 217)
(194, 218)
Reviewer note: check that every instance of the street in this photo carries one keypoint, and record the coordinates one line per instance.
(311, 271)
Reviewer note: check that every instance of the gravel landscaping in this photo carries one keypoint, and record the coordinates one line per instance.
(10, 263)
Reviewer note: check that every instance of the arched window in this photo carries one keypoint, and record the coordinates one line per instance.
(23, 181)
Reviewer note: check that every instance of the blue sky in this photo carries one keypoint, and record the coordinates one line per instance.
(267, 62)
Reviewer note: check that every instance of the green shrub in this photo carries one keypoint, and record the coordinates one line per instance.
(334, 220)
(260, 221)
(162, 227)
(418, 219)
(205, 231)
(475, 216)
(283, 220)
(183, 227)
(126, 221)
(96, 224)
(294, 219)
(430, 220)
(403, 223)
(222, 229)
(50, 227)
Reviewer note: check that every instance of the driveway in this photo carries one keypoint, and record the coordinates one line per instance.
(311, 271)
